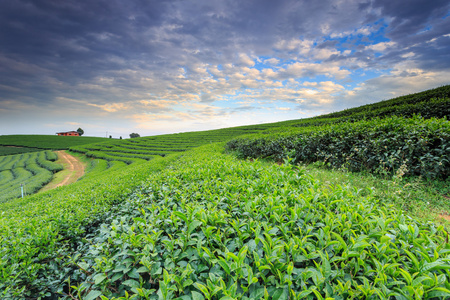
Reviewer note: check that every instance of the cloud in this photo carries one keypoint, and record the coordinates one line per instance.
(380, 47)
(404, 79)
(73, 123)
(246, 60)
(272, 61)
(157, 59)
(299, 70)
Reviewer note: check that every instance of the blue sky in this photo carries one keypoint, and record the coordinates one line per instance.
(156, 67)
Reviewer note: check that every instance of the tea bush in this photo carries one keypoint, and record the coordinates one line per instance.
(27, 173)
(202, 224)
(413, 146)
(39, 232)
(213, 227)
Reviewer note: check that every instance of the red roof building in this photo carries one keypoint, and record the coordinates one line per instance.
(68, 133)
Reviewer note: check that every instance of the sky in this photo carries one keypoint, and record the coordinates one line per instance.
(113, 67)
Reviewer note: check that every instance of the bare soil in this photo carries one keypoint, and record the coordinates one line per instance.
(73, 170)
(444, 216)
(75, 166)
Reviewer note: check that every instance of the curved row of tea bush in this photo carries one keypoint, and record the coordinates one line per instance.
(46, 159)
(9, 161)
(22, 159)
(5, 176)
(26, 173)
(39, 233)
(111, 156)
(28, 180)
(412, 146)
(213, 227)
(148, 147)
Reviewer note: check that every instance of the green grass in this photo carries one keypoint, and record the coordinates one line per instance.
(422, 198)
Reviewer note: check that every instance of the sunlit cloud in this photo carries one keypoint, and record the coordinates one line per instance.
(207, 64)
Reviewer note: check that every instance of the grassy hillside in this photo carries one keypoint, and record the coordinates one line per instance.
(174, 216)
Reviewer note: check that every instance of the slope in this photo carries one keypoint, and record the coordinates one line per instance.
(187, 221)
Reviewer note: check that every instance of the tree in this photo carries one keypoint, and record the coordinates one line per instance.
(80, 131)
(134, 135)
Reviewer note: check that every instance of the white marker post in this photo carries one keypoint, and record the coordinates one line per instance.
(21, 188)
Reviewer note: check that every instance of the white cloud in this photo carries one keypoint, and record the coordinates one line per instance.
(322, 54)
(404, 79)
(301, 70)
(272, 61)
(380, 47)
(111, 107)
(302, 47)
(364, 30)
(246, 60)
(408, 55)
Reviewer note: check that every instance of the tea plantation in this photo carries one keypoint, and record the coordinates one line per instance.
(185, 216)
(26, 173)
(44, 142)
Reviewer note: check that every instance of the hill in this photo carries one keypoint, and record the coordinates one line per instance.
(29, 143)
(174, 216)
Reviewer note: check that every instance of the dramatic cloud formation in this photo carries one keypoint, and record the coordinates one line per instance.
(168, 66)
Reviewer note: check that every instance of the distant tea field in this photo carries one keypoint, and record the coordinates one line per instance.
(43, 142)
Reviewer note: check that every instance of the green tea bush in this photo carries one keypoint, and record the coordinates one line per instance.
(96, 166)
(9, 162)
(213, 227)
(5, 176)
(29, 170)
(51, 156)
(47, 164)
(412, 146)
(110, 157)
(38, 233)
(23, 158)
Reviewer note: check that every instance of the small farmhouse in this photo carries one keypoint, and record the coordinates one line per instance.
(68, 133)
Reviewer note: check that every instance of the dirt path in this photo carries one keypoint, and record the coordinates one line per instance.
(76, 168)
(73, 170)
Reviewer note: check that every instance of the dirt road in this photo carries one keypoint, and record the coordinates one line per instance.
(73, 170)
(75, 167)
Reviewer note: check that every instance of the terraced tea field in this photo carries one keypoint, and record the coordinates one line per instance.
(186, 216)
(31, 171)
(146, 148)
